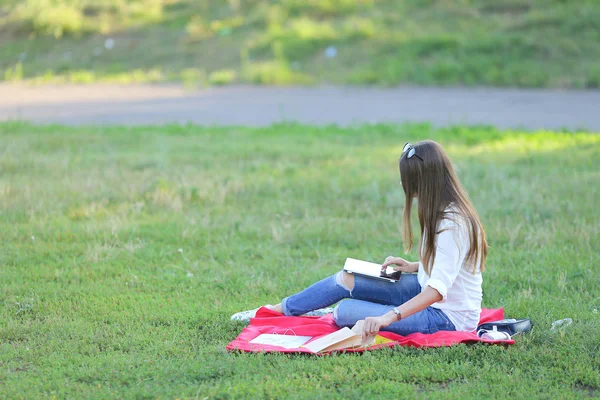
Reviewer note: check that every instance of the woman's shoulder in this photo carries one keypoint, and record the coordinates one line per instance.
(452, 220)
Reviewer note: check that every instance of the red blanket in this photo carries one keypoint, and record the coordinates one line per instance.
(269, 321)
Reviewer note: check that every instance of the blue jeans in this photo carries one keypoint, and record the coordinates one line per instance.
(369, 298)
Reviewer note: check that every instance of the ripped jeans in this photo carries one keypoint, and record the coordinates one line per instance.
(369, 298)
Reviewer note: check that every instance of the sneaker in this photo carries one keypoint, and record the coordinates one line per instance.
(244, 316)
(320, 312)
(511, 326)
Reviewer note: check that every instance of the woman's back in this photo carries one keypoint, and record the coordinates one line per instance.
(457, 282)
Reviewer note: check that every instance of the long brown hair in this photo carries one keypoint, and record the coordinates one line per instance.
(429, 175)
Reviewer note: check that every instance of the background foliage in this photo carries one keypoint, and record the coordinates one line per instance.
(528, 43)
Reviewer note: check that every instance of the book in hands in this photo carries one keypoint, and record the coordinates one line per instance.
(371, 270)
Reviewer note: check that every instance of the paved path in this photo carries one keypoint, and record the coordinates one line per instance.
(259, 106)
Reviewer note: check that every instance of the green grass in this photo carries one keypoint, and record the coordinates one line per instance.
(125, 251)
(528, 43)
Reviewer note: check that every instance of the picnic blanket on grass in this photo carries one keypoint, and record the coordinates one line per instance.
(272, 322)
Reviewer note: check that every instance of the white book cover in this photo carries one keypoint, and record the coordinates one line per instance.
(365, 267)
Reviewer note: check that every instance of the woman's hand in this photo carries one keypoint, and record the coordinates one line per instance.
(400, 264)
(373, 324)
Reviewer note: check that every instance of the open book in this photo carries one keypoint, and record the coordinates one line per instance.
(344, 338)
(371, 270)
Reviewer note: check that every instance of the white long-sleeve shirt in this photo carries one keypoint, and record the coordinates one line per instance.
(459, 287)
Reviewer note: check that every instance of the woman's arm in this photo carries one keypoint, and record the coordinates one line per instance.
(446, 267)
(420, 302)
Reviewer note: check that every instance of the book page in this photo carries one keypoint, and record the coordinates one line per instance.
(329, 340)
(345, 338)
(351, 342)
(285, 341)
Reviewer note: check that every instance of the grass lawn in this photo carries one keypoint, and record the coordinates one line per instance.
(531, 43)
(125, 251)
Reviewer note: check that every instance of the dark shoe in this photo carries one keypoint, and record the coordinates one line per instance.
(510, 326)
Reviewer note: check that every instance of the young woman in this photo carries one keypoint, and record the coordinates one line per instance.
(445, 293)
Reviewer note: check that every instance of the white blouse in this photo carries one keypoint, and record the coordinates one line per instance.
(459, 287)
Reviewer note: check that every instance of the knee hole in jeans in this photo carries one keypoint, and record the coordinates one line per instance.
(339, 280)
